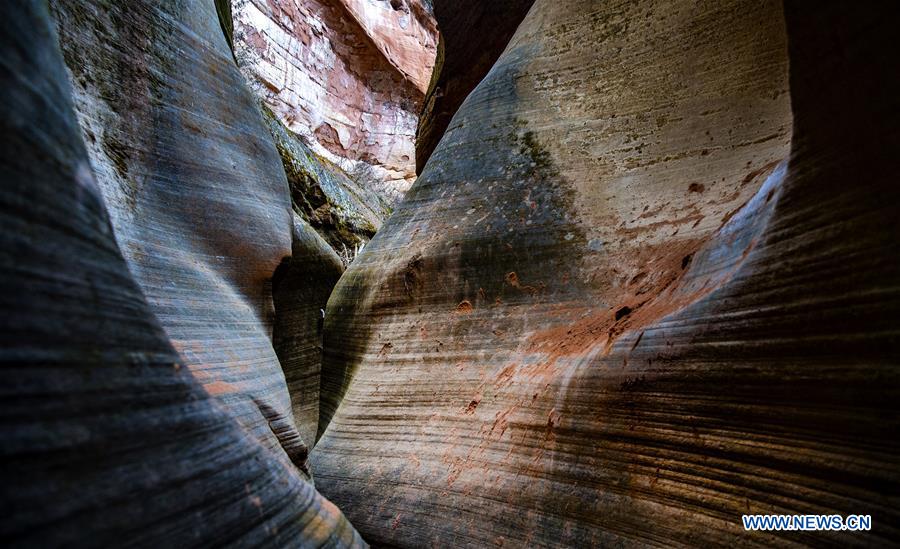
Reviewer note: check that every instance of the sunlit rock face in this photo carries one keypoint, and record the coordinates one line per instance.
(348, 76)
(343, 211)
(108, 439)
(646, 283)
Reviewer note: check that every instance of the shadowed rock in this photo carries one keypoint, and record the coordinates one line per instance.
(107, 439)
(196, 192)
(630, 298)
(300, 291)
(473, 35)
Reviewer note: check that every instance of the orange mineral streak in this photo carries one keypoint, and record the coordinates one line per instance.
(654, 292)
(218, 388)
(649, 295)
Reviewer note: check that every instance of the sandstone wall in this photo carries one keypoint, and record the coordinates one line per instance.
(109, 439)
(348, 76)
(632, 297)
(473, 35)
(196, 192)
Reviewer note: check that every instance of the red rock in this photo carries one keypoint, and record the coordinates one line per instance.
(348, 77)
(671, 359)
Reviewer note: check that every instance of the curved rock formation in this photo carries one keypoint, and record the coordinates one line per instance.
(625, 302)
(473, 35)
(345, 213)
(108, 440)
(647, 282)
(348, 76)
(300, 290)
(196, 192)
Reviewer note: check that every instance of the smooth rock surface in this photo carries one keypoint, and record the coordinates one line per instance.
(473, 34)
(107, 439)
(630, 299)
(348, 76)
(300, 290)
(196, 192)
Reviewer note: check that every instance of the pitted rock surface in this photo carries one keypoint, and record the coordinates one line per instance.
(348, 76)
(646, 283)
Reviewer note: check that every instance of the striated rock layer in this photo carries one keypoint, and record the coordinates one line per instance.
(630, 298)
(108, 440)
(348, 76)
(473, 35)
(300, 289)
(343, 212)
(196, 192)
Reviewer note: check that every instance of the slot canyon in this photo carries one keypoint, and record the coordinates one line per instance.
(449, 273)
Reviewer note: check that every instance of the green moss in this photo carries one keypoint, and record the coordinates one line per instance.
(528, 145)
(324, 195)
(223, 10)
(117, 153)
(539, 156)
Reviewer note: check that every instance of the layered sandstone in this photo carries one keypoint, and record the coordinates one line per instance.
(196, 192)
(646, 283)
(632, 296)
(344, 212)
(473, 35)
(108, 436)
(347, 76)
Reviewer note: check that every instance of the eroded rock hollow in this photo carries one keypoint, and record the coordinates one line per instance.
(645, 283)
